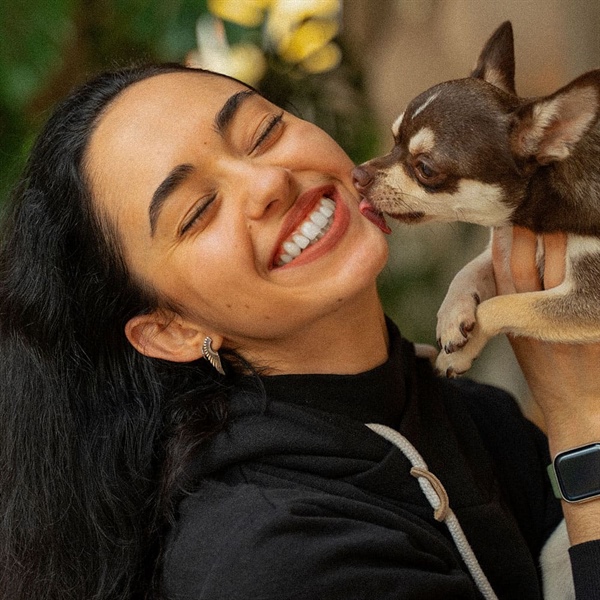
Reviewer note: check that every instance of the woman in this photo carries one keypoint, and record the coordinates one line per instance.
(192, 344)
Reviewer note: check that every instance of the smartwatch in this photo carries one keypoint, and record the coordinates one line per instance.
(575, 473)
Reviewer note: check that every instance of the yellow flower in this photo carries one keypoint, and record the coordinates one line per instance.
(302, 30)
(286, 15)
(245, 62)
(325, 59)
(248, 13)
(307, 39)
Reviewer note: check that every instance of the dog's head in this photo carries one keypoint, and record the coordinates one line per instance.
(464, 150)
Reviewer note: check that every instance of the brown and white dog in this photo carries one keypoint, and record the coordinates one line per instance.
(471, 150)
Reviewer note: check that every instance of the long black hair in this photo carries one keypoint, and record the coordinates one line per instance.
(94, 437)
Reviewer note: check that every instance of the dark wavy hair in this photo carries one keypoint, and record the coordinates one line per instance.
(94, 437)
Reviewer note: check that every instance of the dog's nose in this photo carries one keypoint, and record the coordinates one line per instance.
(362, 178)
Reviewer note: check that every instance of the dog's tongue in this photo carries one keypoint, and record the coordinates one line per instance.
(376, 217)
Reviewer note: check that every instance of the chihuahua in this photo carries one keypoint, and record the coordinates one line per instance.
(471, 150)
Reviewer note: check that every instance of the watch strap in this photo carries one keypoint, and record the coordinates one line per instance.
(554, 481)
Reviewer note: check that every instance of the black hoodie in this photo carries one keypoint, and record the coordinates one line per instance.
(298, 500)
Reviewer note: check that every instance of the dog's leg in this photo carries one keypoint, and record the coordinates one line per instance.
(568, 313)
(496, 315)
(553, 316)
(456, 318)
(473, 284)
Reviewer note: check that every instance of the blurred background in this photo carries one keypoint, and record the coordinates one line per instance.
(350, 66)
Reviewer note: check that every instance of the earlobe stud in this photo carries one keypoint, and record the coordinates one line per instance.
(212, 356)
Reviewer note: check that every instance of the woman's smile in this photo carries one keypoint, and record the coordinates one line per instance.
(309, 233)
(315, 224)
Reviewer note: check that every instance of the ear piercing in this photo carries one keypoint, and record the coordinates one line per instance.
(212, 356)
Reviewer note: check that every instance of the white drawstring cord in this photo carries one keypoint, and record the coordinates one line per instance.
(438, 498)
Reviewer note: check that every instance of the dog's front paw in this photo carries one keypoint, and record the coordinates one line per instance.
(456, 321)
(454, 364)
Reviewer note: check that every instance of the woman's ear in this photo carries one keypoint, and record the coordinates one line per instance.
(167, 336)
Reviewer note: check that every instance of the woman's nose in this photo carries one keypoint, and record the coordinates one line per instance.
(270, 188)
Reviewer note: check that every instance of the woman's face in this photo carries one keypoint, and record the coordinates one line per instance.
(238, 213)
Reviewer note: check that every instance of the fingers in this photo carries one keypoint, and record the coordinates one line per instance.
(501, 248)
(522, 261)
(523, 268)
(555, 249)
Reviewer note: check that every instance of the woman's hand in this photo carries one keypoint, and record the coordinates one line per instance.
(564, 379)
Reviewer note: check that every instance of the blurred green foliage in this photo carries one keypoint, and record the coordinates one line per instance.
(49, 46)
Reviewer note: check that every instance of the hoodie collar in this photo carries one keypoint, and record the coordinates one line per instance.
(377, 395)
(278, 416)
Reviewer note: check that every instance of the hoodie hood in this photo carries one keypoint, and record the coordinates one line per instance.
(311, 415)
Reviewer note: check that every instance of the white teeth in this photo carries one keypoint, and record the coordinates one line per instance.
(311, 230)
(326, 210)
(292, 249)
(318, 219)
(301, 241)
(327, 202)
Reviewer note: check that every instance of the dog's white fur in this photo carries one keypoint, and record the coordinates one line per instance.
(424, 105)
(557, 576)
(396, 125)
(422, 142)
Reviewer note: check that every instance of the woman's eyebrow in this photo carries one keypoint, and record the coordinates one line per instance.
(224, 117)
(169, 184)
(178, 175)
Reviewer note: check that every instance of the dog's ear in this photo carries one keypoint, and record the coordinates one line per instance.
(548, 129)
(496, 63)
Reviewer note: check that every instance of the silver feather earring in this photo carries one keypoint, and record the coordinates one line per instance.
(212, 356)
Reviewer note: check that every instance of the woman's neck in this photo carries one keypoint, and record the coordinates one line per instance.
(352, 339)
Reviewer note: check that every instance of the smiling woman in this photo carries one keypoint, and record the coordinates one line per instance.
(207, 215)
(191, 344)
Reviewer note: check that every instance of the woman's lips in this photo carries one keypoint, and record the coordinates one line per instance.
(306, 205)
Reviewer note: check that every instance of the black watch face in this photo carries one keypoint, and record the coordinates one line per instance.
(578, 473)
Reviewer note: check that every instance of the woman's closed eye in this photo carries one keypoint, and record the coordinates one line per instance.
(197, 214)
(267, 132)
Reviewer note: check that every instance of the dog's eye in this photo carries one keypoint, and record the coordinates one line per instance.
(426, 174)
(425, 171)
